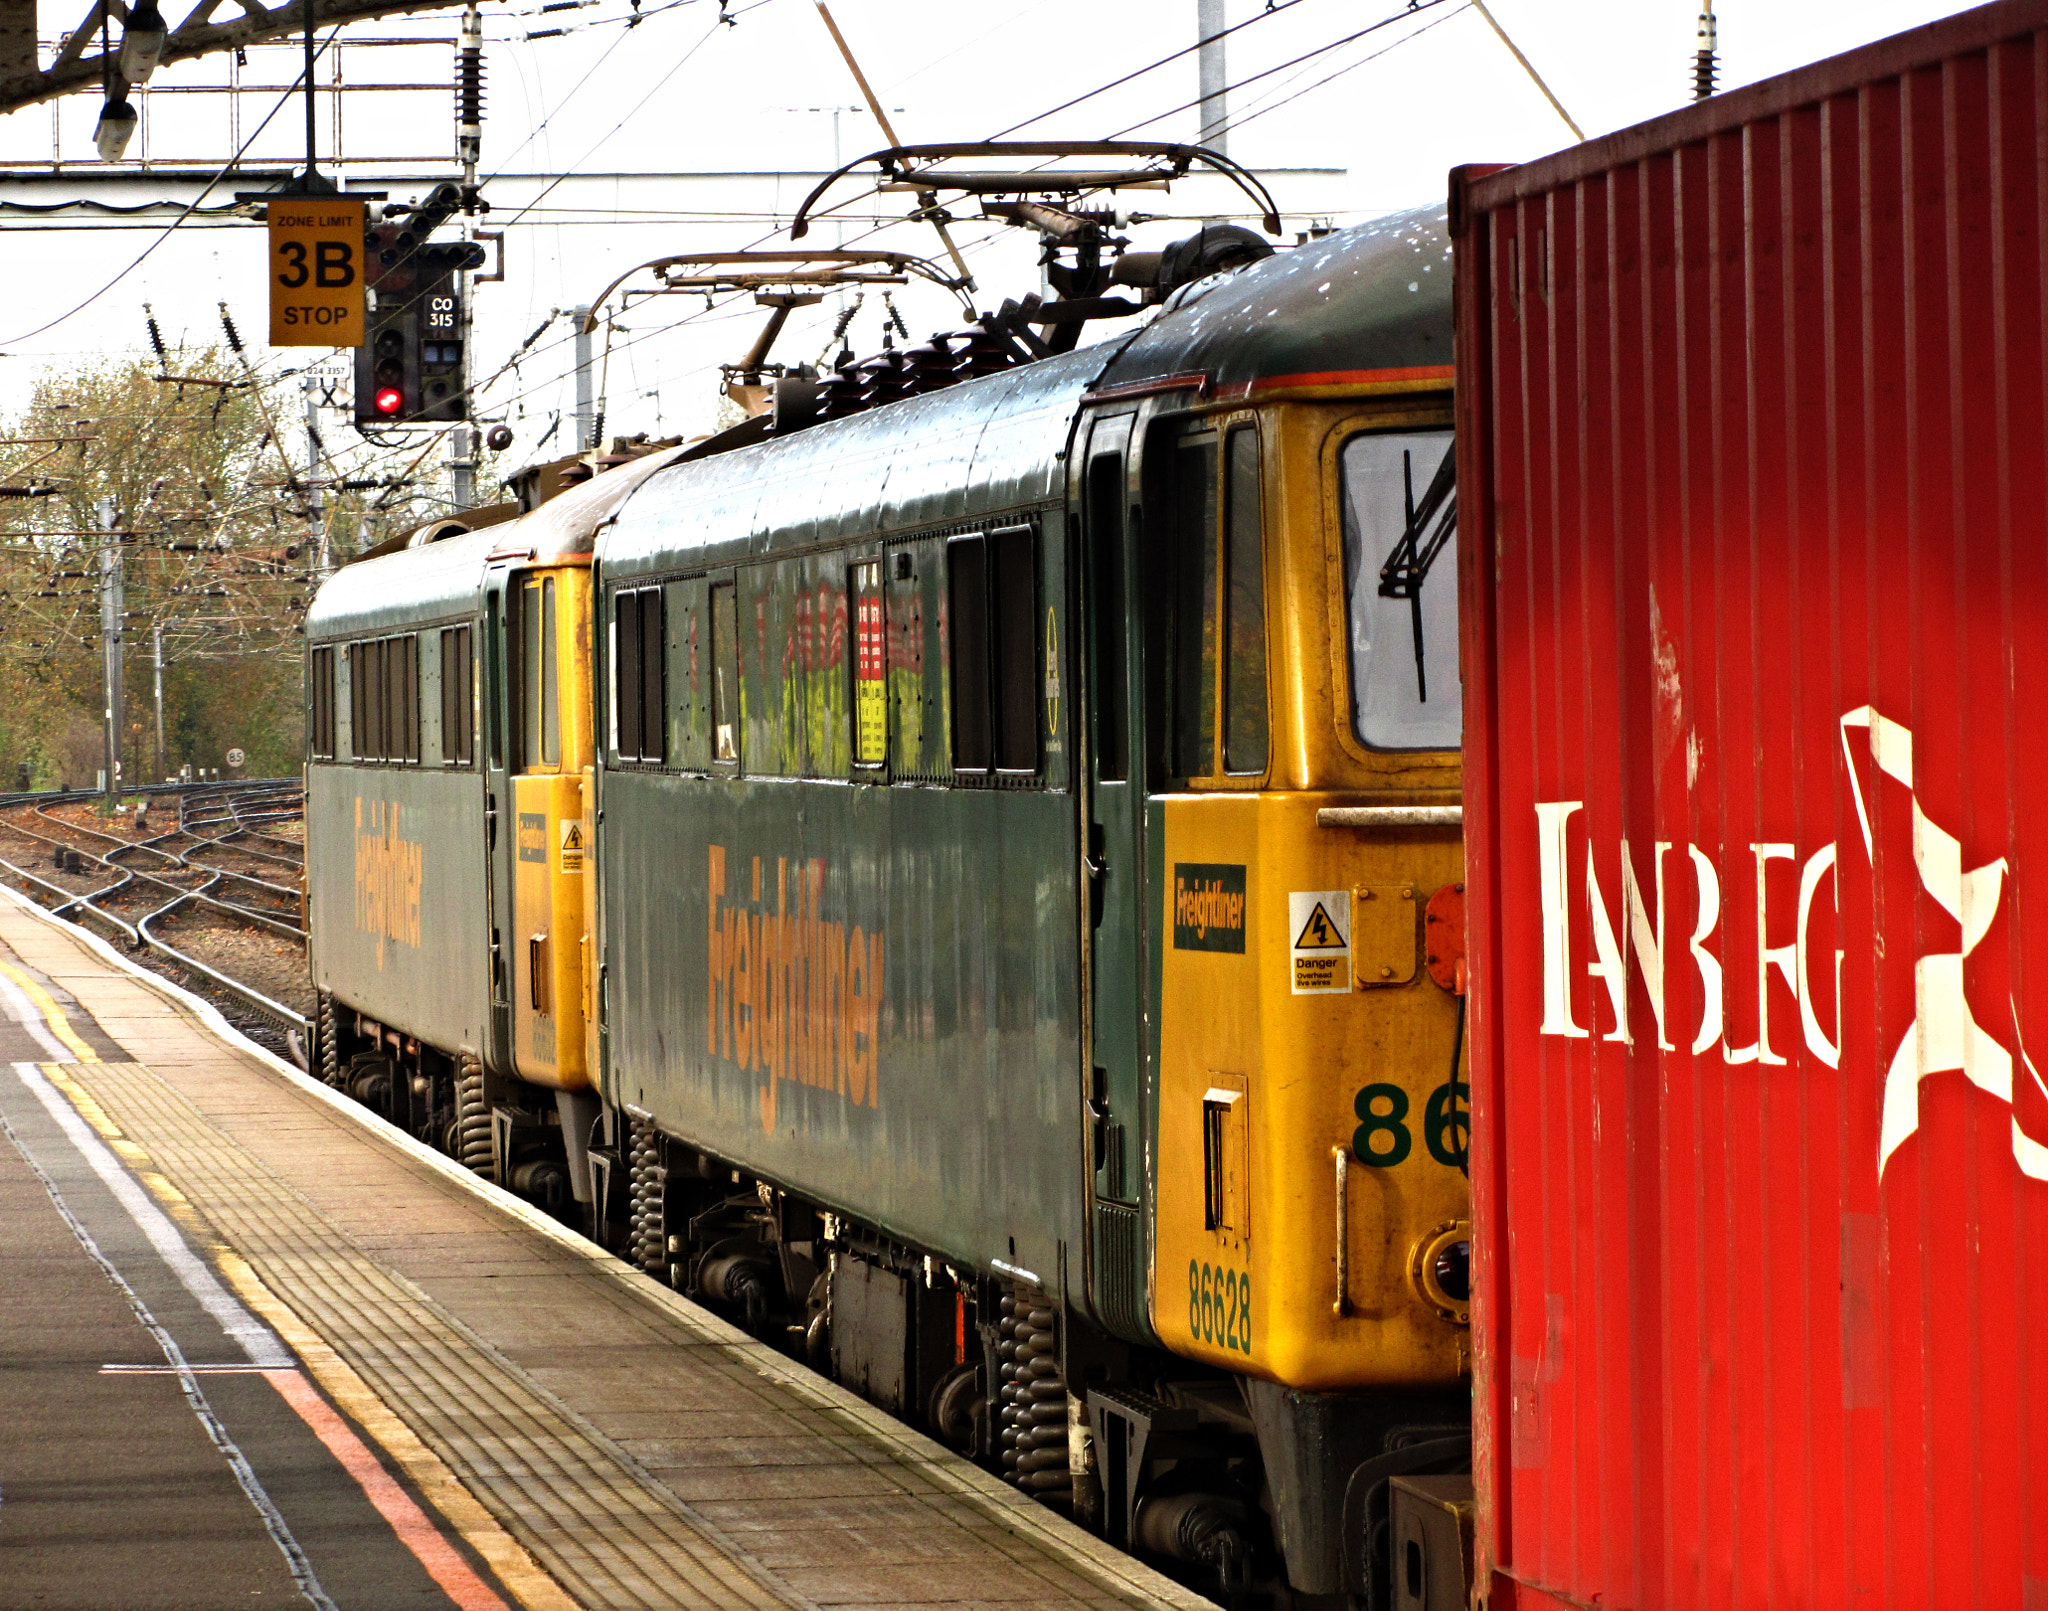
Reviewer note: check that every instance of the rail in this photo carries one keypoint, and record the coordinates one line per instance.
(142, 934)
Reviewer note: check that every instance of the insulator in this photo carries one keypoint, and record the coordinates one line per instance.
(156, 337)
(884, 379)
(471, 106)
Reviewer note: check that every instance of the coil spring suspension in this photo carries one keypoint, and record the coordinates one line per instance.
(646, 1247)
(330, 1043)
(472, 1147)
(1033, 1424)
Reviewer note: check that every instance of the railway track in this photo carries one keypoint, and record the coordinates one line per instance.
(203, 881)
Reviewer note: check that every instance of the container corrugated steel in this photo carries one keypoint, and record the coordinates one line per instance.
(1752, 442)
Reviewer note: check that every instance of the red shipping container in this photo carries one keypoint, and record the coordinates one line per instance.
(1753, 426)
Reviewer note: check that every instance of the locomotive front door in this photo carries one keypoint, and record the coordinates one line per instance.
(1119, 1031)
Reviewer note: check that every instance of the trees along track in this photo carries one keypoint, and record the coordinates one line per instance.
(214, 821)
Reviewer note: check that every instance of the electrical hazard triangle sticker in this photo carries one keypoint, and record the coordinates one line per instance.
(572, 836)
(1320, 957)
(1319, 933)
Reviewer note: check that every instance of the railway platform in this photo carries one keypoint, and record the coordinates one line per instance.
(265, 1350)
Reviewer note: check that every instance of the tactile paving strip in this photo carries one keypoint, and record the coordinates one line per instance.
(578, 1503)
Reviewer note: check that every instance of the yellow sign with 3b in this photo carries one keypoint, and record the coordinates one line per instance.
(316, 272)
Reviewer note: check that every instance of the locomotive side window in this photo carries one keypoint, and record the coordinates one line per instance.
(458, 698)
(550, 702)
(992, 650)
(1399, 503)
(968, 652)
(639, 675)
(1205, 608)
(1112, 683)
(540, 711)
(363, 742)
(405, 698)
(1244, 631)
(1016, 648)
(653, 677)
(625, 676)
(494, 684)
(384, 682)
(725, 676)
(321, 668)
(1184, 607)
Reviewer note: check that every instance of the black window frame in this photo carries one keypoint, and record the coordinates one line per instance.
(458, 697)
(639, 691)
(321, 736)
(992, 660)
(384, 700)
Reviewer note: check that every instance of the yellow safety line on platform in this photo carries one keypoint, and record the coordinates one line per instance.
(507, 1558)
(46, 1004)
(516, 1569)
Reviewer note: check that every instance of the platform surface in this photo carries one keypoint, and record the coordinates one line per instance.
(261, 1349)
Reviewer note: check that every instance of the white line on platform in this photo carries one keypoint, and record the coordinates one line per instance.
(23, 1012)
(251, 1485)
(263, 1346)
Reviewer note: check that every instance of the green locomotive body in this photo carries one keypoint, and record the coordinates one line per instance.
(869, 901)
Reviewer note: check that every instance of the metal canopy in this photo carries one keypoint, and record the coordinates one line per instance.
(81, 66)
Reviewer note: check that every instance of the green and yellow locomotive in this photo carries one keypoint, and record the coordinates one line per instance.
(971, 889)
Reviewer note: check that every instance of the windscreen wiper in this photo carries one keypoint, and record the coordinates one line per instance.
(1430, 525)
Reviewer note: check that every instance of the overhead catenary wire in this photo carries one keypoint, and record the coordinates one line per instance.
(1272, 10)
(635, 338)
(1413, 8)
(1239, 120)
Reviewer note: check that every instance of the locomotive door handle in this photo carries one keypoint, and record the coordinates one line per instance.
(536, 956)
(1342, 1305)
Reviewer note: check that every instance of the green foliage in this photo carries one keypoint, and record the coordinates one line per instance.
(217, 550)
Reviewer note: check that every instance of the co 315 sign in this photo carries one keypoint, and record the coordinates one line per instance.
(316, 272)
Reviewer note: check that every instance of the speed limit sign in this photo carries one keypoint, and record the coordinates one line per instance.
(316, 272)
(236, 757)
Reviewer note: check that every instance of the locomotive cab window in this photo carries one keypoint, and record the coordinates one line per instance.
(1398, 500)
(1205, 608)
(640, 676)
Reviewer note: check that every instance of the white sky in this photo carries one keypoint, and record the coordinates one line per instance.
(680, 94)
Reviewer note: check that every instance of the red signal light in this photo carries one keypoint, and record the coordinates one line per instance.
(389, 400)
